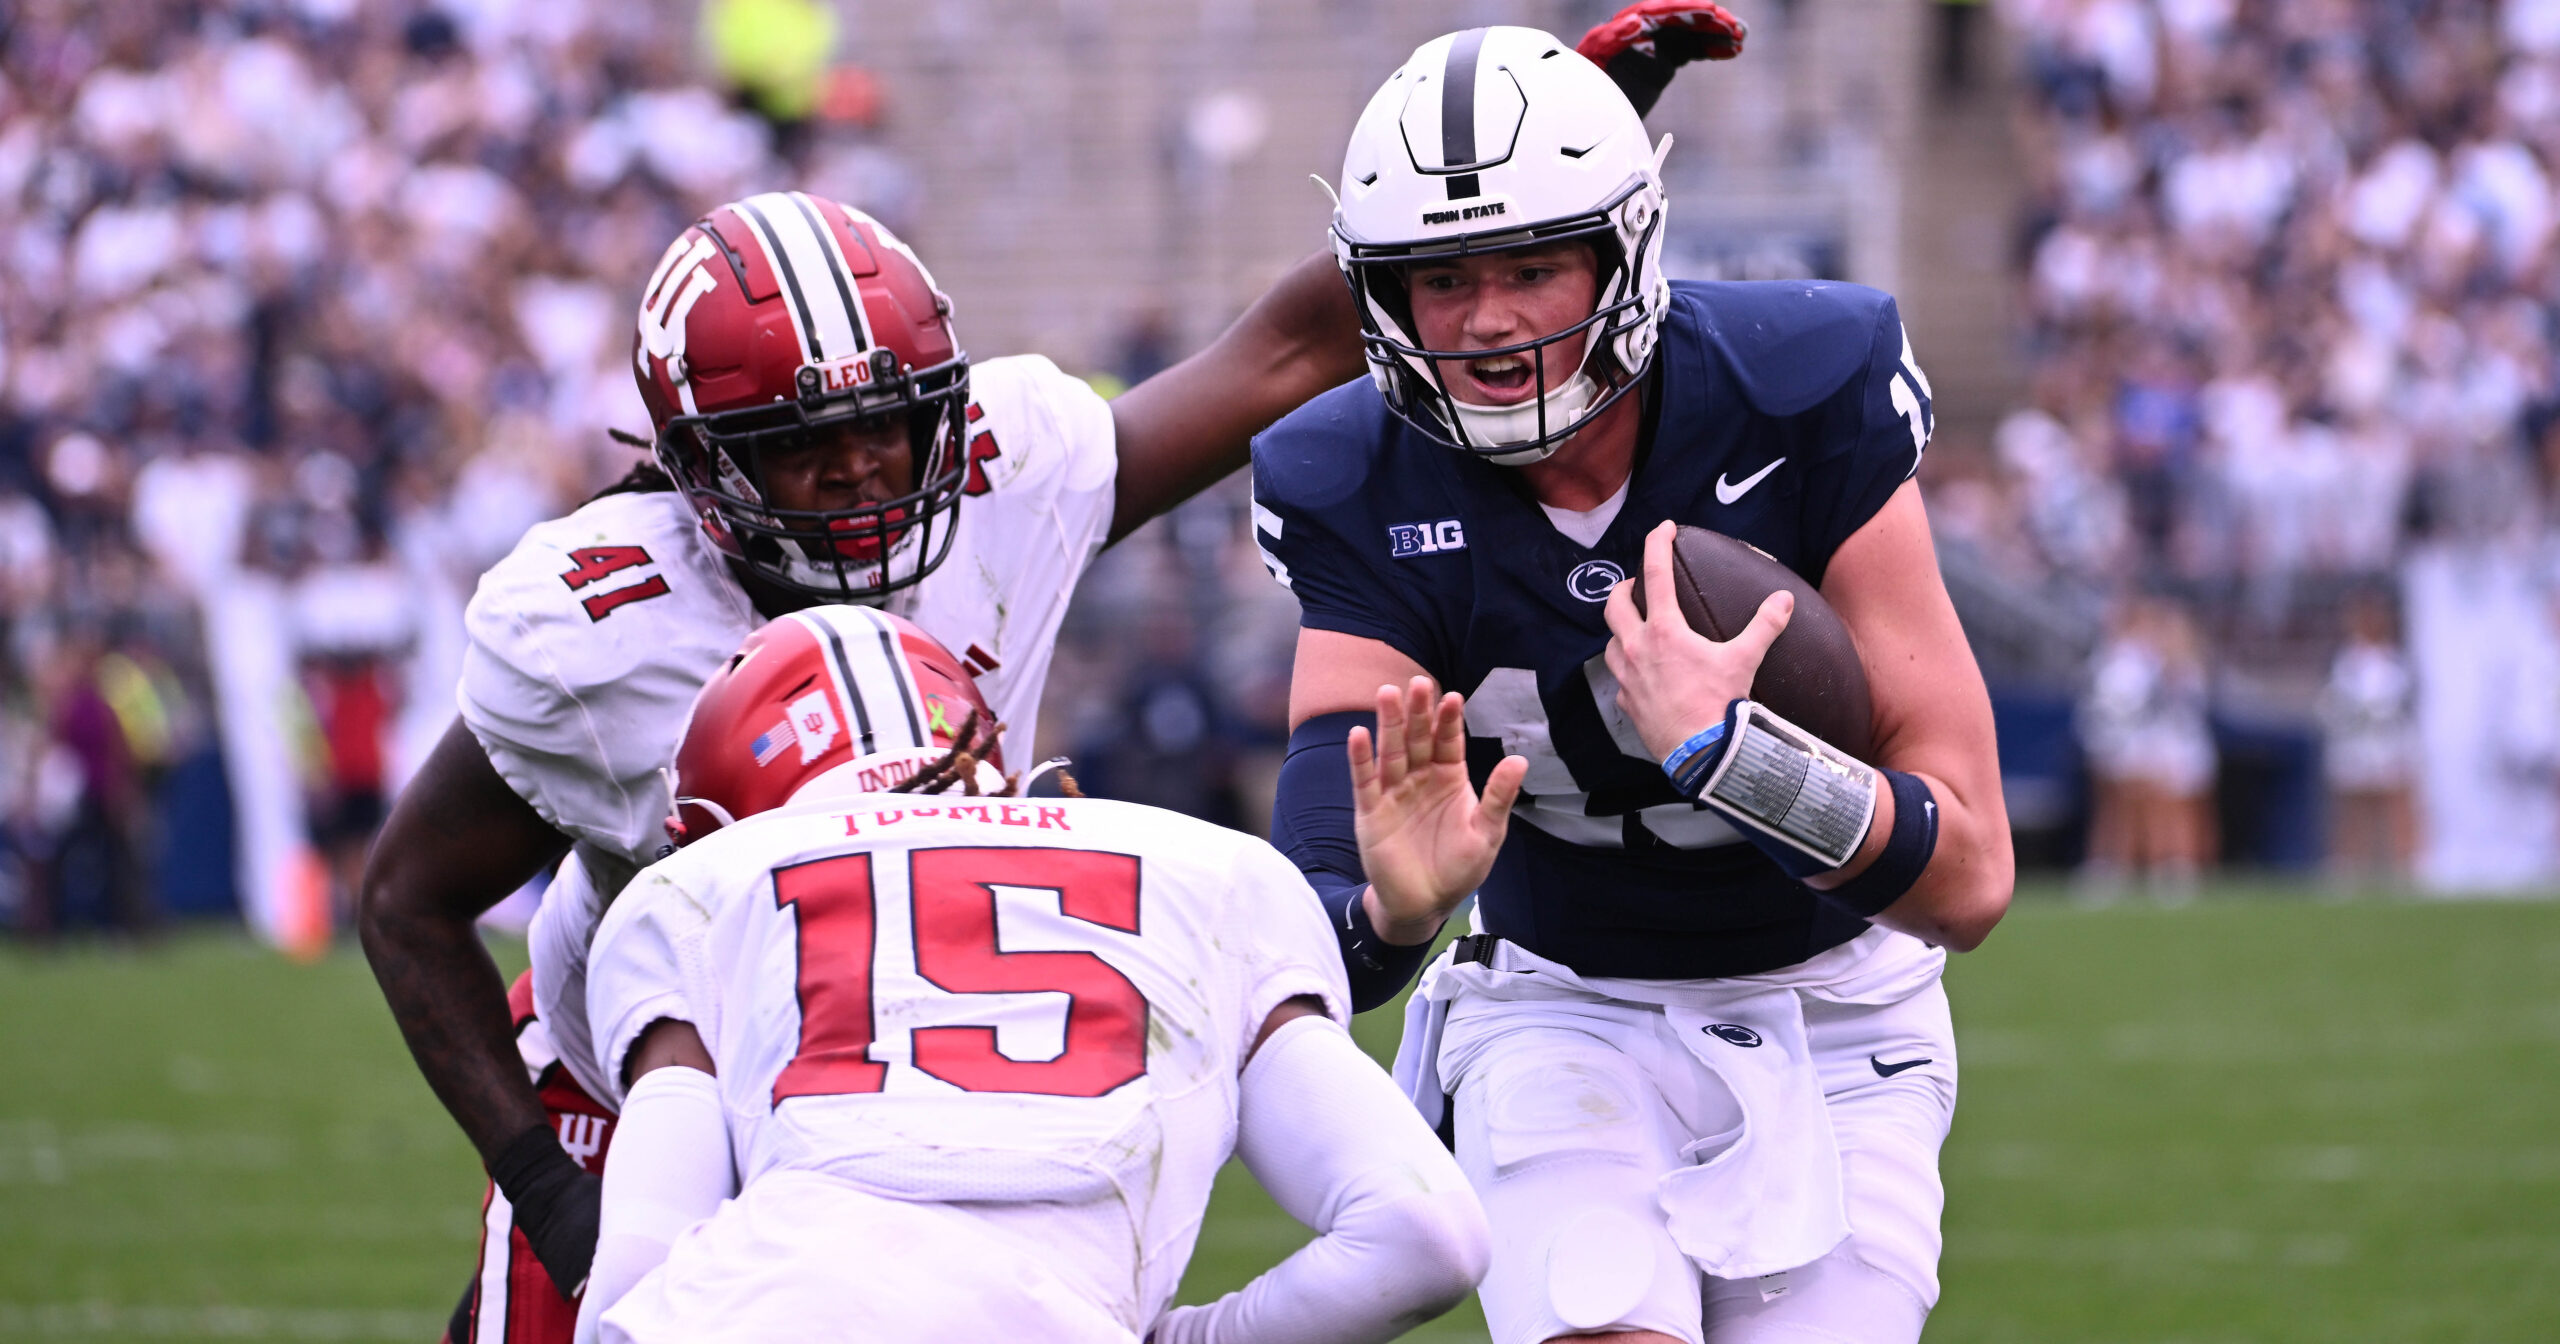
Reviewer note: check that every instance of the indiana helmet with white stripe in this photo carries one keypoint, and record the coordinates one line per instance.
(772, 323)
(851, 696)
(1485, 141)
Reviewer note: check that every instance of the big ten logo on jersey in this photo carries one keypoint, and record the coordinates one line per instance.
(982, 450)
(1405, 540)
(595, 562)
(903, 976)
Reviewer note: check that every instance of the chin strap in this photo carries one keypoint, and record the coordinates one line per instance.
(1498, 425)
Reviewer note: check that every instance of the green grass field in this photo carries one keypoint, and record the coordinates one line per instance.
(2255, 1118)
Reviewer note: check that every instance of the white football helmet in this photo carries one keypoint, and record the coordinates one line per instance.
(1487, 140)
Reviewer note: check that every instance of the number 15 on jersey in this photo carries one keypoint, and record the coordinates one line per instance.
(951, 902)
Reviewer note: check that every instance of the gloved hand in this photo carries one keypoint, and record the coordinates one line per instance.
(1640, 46)
(557, 1204)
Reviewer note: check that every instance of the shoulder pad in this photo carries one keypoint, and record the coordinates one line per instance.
(1036, 429)
(586, 646)
(1788, 345)
(591, 597)
(1325, 451)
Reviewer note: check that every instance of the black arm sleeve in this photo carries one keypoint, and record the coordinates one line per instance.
(1311, 822)
(1641, 77)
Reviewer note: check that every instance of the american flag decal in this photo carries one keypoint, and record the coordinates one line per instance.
(773, 742)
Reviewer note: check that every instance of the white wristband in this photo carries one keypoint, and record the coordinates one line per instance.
(1793, 786)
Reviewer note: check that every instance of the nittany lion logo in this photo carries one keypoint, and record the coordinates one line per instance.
(1592, 579)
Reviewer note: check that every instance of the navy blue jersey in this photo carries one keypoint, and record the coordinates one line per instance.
(1782, 413)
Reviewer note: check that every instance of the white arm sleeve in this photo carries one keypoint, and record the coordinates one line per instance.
(1403, 1238)
(669, 1169)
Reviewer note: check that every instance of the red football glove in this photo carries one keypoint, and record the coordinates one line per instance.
(1640, 46)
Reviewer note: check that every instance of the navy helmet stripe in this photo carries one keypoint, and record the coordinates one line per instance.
(1458, 110)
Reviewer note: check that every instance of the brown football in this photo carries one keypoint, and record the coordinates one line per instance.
(1811, 676)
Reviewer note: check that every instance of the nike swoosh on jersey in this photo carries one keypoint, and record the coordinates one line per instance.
(1727, 491)
(1884, 1070)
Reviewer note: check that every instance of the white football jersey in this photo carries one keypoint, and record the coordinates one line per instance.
(590, 640)
(1036, 1009)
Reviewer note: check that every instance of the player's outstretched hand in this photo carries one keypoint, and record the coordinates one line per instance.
(1673, 681)
(1426, 839)
(1640, 46)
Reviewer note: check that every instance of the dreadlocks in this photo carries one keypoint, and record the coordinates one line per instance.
(960, 766)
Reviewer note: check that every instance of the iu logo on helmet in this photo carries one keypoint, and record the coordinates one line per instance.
(813, 721)
(666, 305)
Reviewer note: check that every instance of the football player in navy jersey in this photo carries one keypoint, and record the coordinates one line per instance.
(1695, 1057)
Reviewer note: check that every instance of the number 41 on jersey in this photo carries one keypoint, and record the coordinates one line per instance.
(595, 562)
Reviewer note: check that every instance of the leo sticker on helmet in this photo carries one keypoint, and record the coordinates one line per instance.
(836, 375)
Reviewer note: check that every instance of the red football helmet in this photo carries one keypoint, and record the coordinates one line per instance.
(771, 322)
(849, 692)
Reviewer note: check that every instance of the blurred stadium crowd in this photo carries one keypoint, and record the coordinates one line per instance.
(2290, 266)
(313, 305)
(311, 308)
(2290, 307)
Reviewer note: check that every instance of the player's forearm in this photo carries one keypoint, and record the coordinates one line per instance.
(1965, 889)
(1312, 823)
(451, 1006)
(456, 842)
(1400, 1236)
(1946, 741)
(670, 1168)
(1193, 424)
(1304, 329)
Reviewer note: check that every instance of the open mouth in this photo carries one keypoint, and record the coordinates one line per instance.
(1506, 377)
(864, 539)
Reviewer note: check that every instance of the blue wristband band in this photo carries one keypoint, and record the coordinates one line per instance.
(1906, 851)
(1688, 763)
